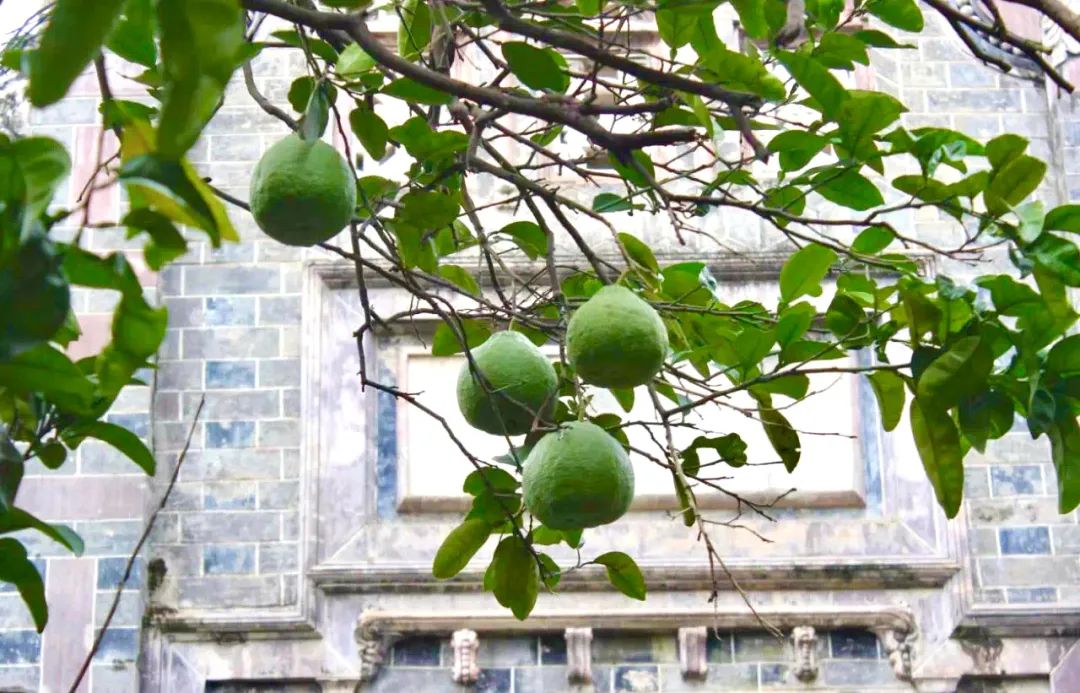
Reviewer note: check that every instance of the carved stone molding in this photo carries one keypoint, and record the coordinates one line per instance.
(465, 645)
(804, 641)
(579, 655)
(899, 646)
(693, 655)
(371, 646)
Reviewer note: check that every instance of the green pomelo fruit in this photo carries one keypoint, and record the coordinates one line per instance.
(521, 384)
(577, 477)
(302, 192)
(615, 339)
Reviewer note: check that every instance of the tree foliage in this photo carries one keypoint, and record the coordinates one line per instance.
(758, 121)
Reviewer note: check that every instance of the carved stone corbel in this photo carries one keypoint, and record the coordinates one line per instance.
(899, 645)
(579, 655)
(693, 655)
(465, 645)
(804, 642)
(372, 647)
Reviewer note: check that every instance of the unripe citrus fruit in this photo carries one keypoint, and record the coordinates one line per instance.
(577, 477)
(302, 192)
(615, 339)
(521, 383)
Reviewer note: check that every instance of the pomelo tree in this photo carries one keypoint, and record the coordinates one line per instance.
(753, 115)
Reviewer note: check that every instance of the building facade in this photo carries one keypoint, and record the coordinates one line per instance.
(294, 552)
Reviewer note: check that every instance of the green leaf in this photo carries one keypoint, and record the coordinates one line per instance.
(16, 520)
(793, 323)
(489, 480)
(370, 129)
(590, 8)
(816, 79)
(985, 416)
(804, 271)
(902, 14)
(1063, 359)
(1057, 256)
(44, 164)
(623, 574)
(414, 29)
(175, 190)
(739, 71)
(536, 68)
(12, 468)
(52, 454)
(459, 547)
(1065, 449)
(354, 61)
(960, 371)
(317, 112)
(862, 115)
(636, 172)
(796, 148)
(72, 38)
(1063, 218)
(445, 341)
(784, 438)
(552, 573)
(1004, 148)
(49, 372)
(133, 37)
(624, 396)
(118, 437)
(848, 188)
(407, 90)
(529, 237)
(752, 17)
(16, 568)
(460, 277)
(939, 447)
(844, 316)
(165, 244)
(889, 389)
(517, 577)
(427, 209)
(610, 202)
(872, 240)
(639, 253)
(730, 448)
(202, 42)
(1013, 182)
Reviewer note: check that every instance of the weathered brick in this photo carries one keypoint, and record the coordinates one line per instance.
(857, 673)
(231, 310)
(185, 312)
(926, 74)
(232, 495)
(279, 310)
(67, 112)
(1024, 540)
(223, 526)
(972, 74)
(229, 590)
(1013, 511)
(278, 557)
(1016, 480)
(19, 647)
(973, 100)
(231, 464)
(279, 495)
(290, 341)
(180, 375)
(13, 614)
(230, 434)
(279, 373)
(235, 147)
(110, 571)
(228, 559)
(257, 404)
(231, 342)
(982, 126)
(290, 464)
(217, 280)
(244, 120)
(128, 612)
(230, 374)
(1031, 595)
(172, 435)
(290, 403)
(290, 526)
(167, 406)
(118, 644)
(109, 538)
(1024, 571)
(290, 585)
(170, 346)
(1066, 538)
(279, 434)
(241, 252)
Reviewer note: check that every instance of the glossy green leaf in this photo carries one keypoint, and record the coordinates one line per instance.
(623, 574)
(1057, 256)
(407, 90)
(939, 447)
(354, 61)
(133, 37)
(552, 574)
(610, 202)
(624, 396)
(872, 240)
(848, 188)
(17, 569)
(752, 17)
(317, 113)
(536, 68)
(816, 79)
(489, 479)
(16, 520)
(445, 342)
(459, 547)
(175, 190)
(902, 14)
(427, 209)
(804, 271)
(44, 164)
(12, 469)
(639, 253)
(48, 371)
(71, 39)
(1014, 182)
(370, 129)
(1065, 450)
(985, 416)
(414, 28)
(1063, 218)
(516, 580)
(796, 148)
(460, 277)
(202, 43)
(890, 393)
(115, 436)
(528, 236)
(960, 371)
(783, 437)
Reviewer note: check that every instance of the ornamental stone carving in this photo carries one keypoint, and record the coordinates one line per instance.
(899, 645)
(579, 655)
(693, 656)
(804, 642)
(465, 645)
